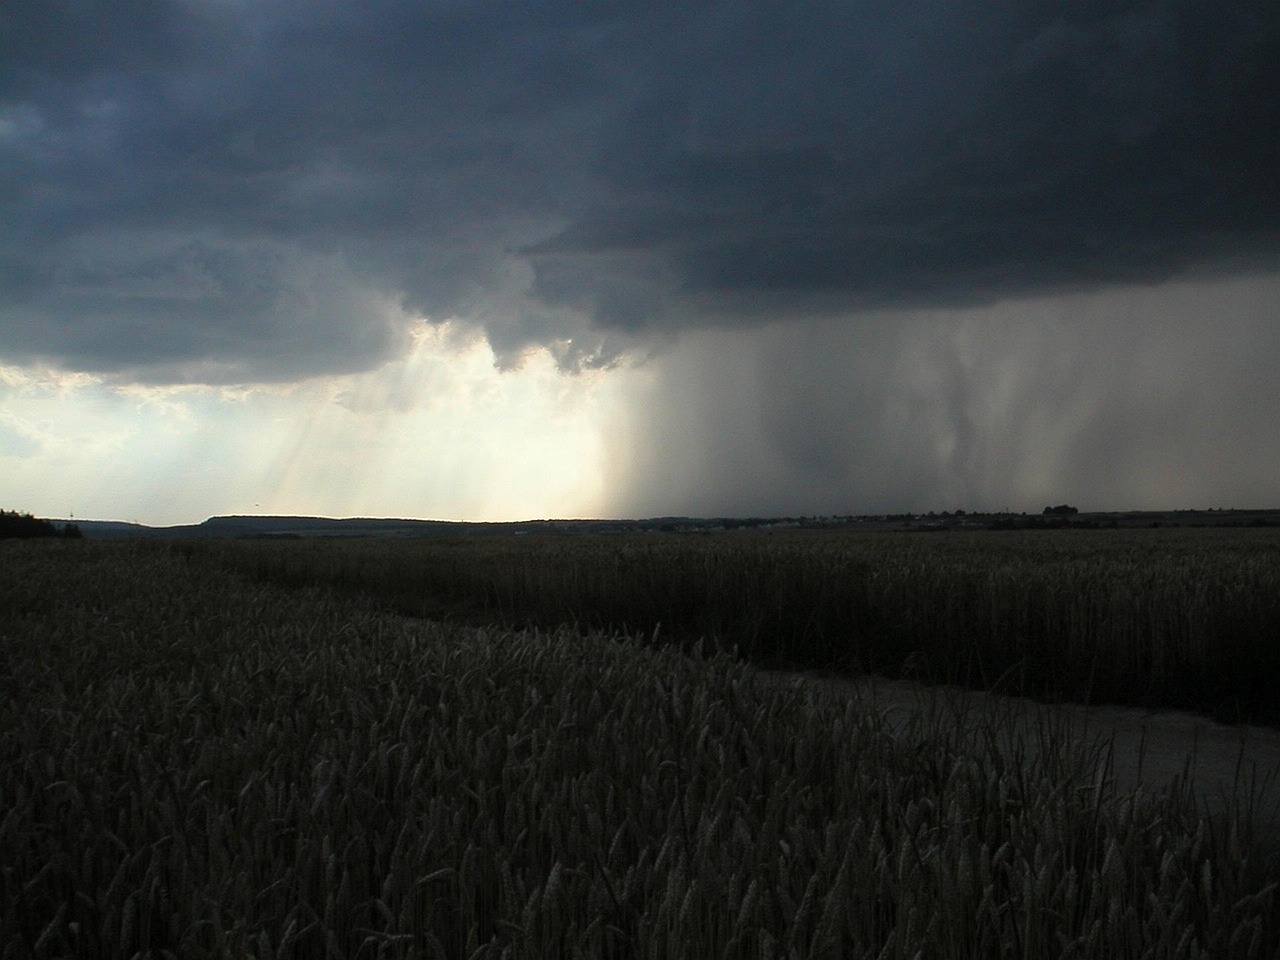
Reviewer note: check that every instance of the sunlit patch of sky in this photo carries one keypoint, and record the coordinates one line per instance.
(439, 432)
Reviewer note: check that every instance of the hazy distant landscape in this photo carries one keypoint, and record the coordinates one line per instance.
(306, 527)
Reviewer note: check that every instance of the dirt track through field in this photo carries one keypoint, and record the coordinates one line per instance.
(1148, 748)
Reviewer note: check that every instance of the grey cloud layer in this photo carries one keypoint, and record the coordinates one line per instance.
(1144, 399)
(205, 188)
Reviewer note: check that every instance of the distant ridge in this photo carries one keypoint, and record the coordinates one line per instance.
(291, 528)
(306, 528)
(298, 528)
(243, 527)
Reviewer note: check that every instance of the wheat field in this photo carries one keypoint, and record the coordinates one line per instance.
(1179, 618)
(198, 759)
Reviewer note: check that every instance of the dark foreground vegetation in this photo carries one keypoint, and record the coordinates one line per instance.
(197, 763)
(24, 526)
(1177, 618)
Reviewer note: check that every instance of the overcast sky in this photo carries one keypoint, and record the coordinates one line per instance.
(490, 260)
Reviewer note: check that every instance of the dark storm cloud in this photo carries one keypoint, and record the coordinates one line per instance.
(969, 154)
(195, 186)
(1150, 398)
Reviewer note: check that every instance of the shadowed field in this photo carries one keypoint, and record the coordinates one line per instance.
(198, 763)
(1186, 618)
(1218, 766)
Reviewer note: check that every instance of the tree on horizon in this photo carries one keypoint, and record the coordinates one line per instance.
(24, 526)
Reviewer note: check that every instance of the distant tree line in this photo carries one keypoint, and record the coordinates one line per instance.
(15, 525)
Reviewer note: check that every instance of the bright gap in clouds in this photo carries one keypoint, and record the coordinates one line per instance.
(437, 433)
